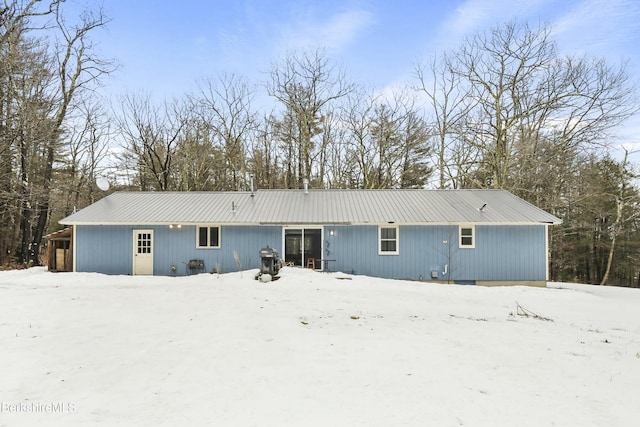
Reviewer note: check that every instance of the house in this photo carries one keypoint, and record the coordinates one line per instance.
(483, 237)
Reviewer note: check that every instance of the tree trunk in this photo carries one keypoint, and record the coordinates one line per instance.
(43, 210)
(25, 224)
(616, 228)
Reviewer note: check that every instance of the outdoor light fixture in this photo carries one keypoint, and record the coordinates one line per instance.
(175, 225)
(331, 232)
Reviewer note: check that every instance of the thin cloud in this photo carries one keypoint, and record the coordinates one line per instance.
(334, 34)
(230, 46)
(200, 40)
(262, 35)
(475, 15)
(600, 25)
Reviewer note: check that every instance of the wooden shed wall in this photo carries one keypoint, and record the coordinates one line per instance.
(60, 251)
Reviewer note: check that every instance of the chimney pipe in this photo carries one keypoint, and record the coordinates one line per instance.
(306, 186)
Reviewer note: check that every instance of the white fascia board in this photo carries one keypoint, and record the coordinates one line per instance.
(319, 224)
(303, 224)
(456, 223)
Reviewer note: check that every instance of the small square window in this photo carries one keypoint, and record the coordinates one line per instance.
(467, 236)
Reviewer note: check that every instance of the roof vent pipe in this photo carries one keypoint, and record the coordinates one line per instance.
(306, 186)
(251, 184)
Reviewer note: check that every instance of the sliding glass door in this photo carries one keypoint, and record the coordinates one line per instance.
(303, 247)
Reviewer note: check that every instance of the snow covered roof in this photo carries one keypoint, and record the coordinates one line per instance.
(313, 207)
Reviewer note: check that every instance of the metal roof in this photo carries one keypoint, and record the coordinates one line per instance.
(312, 207)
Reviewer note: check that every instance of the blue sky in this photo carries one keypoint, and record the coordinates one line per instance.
(165, 46)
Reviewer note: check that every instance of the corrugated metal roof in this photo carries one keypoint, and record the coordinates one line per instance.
(314, 207)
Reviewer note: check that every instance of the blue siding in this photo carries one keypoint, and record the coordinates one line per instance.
(109, 249)
(500, 253)
(504, 253)
(104, 249)
(175, 247)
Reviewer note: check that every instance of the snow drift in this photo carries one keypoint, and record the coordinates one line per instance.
(313, 349)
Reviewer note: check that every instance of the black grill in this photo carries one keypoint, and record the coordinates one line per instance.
(195, 266)
(269, 261)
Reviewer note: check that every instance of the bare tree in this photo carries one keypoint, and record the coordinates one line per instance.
(25, 111)
(151, 135)
(285, 131)
(32, 137)
(416, 151)
(78, 68)
(331, 155)
(448, 105)
(624, 198)
(360, 150)
(524, 92)
(401, 139)
(224, 105)
(85, 155)
(263, 158)
(307, 85)
(196, 159)
(42, 81)
(501, 68)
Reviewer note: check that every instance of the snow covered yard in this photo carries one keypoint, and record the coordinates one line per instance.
(313, 349)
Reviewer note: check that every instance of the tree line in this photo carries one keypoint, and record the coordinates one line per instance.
(502, 110)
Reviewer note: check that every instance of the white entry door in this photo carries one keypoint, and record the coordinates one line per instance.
(142, 251)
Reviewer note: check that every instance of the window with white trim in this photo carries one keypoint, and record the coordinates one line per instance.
(388, 240)
(208, 236)
(467, 237)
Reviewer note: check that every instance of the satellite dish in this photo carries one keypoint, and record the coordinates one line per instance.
(102, 183)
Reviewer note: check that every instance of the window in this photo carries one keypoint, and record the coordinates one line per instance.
(467, 236)
(388, 240)
(144, 243)
(208, 237)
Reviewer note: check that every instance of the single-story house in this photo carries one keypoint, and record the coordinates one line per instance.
(483, 237)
